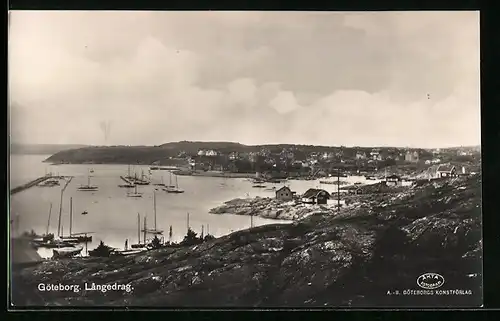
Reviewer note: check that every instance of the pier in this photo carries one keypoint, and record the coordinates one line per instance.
(36, 182)
(30, 184)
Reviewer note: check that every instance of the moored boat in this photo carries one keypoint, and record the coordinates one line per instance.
(50, 244)
(259, 186)
(135, 193)
(67, 251)
(175, 189)
(127, 252)
(88, 187)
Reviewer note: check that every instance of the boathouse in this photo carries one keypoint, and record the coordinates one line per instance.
(284, 194)
(446, 171)
(393, 180)
(315, 196)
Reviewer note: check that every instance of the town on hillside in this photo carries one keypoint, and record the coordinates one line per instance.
(299, 162)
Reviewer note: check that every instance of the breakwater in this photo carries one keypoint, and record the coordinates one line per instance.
(29, 184)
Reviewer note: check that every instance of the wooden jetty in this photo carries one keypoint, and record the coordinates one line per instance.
(30, 184)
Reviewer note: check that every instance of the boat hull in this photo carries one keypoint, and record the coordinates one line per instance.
(127, 252)
(66, 252)
(52, 244)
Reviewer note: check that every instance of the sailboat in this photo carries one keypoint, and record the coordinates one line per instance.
(135, 193)
(176, 189)
(79, 237)
(170, 180)
(142, 181)
(138, 245)
(88, 187)
(154, 230)
(47, 236)
(160, 184)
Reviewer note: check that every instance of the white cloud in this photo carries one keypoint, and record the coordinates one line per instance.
(284, 102)
(316, 78)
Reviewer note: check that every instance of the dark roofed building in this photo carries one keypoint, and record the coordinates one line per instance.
(316, 196)
(284, 194)
(393, 180)
(446, 171)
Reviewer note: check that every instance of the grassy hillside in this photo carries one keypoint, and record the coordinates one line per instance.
(352, 258)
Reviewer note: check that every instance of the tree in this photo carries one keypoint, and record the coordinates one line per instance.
(156, 243)
(102, 250)
(209, 237)
(191, 238)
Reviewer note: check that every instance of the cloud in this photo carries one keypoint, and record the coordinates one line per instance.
(255, 77)
(284, 102)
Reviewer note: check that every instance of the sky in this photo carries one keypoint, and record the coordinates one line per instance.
(320, 78)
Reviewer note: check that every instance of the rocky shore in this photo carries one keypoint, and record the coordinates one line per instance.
(271, 208)
(357, 258)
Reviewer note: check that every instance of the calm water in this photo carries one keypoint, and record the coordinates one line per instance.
(112, 216)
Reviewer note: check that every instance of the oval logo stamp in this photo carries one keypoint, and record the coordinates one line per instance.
(430, 281)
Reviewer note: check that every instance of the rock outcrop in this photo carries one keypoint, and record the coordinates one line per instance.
(357, 258)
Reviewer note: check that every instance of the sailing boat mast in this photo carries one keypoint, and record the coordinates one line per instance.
(138, 228)
(187, 221)
(60, 214)
(70, 216)
(48, 222)
(154, 204)
(145, 229)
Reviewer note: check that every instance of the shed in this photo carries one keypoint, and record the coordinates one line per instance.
(316, 196)
(284, 194)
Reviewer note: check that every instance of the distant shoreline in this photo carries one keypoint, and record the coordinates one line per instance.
(213, 174)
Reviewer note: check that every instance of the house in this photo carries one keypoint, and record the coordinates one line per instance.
(201, 153)
(284, 194)
(412, 157)
(315, 196)
(211, 153)
(436, 161)
(393, 180)
(351, 190)
(446, 171)
(233, 156)
(375, 155)
(360, 155)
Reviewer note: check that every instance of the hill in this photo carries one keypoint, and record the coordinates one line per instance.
(41, 149)
(357, 258)
(164, 154)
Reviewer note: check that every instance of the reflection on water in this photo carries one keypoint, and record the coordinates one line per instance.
(112, 216)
